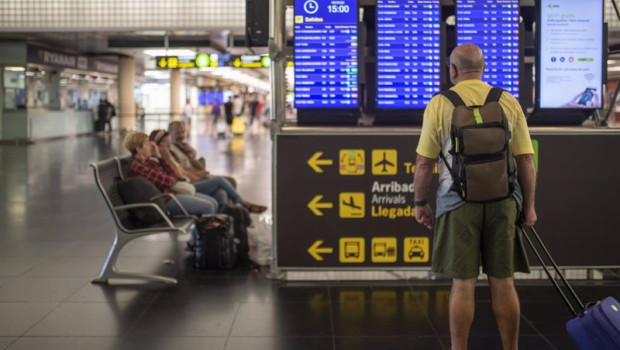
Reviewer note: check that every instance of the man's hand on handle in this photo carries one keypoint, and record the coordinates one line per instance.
(529, 217)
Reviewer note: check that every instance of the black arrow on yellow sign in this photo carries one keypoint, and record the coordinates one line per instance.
(315, 250)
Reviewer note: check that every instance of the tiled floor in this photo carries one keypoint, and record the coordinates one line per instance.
(54, 236)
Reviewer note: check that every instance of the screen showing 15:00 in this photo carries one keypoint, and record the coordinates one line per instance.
(494, 26)
(408, 53)
(326, 54)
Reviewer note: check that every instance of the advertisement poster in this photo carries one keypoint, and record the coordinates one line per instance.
(571, 54)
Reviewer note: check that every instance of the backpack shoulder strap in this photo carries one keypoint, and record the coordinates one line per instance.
(453, 97)
(494, 95)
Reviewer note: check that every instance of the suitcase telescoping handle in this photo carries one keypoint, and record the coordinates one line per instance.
(556, 268)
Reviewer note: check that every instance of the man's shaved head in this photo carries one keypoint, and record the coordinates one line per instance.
(468, 60)
(467, 57)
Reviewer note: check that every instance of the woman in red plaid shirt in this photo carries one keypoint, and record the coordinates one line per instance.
(145, 163)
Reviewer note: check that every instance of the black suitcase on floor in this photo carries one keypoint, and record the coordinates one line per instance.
(597, 325)
(215, 245)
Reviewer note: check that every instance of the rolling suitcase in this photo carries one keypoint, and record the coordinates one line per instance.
(597, 326)
(220, 128)
(238, 126)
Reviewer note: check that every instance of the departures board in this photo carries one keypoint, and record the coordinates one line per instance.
(326, 54)
(408, 53)
(494, 26)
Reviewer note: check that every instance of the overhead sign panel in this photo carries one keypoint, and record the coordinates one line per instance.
(326, 54)
(494, 26)
(408, 52)
(570, 65)
(251, 61)
(174, 62)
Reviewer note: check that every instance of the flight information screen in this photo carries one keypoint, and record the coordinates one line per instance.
(494, 26)
(326, 56)
(408, 52)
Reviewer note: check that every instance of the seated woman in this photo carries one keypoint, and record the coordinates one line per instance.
(145, 163)
(214, 186)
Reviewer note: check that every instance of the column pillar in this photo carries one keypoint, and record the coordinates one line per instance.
(175, 94)
(126, 111)
(82, 93)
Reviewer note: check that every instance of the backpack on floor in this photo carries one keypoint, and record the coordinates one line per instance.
(482, 165)
(215, 245)
(241, 218)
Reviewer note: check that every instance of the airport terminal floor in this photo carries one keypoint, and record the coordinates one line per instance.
(55, 233)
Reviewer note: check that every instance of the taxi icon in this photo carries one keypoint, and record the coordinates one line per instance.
(416, 252)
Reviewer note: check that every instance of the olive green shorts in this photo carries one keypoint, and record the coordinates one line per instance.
(479, 234)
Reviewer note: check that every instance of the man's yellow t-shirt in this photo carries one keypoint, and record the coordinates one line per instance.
(435, 135)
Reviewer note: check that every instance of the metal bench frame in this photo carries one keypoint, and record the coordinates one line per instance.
(107, 173)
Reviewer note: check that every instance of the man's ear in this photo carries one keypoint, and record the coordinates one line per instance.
(453, 71)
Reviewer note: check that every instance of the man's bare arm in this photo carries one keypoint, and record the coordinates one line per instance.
(527, 180)
(421, 186)
(422, 177)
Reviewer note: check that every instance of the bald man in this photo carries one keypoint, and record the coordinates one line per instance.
(468, 234)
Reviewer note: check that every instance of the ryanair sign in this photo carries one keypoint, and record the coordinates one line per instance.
(53, 58)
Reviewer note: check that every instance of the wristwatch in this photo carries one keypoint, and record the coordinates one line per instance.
(420, 203)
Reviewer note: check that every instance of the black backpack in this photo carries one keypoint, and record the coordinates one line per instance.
(482, 166)
(215, 245)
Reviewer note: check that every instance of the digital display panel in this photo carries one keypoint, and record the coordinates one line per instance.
(326, 54)
(571, 57)
(408, 53)
(494, 26)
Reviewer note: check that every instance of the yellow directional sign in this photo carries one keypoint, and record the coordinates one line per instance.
(352, 205)
(352, 250)
(315, 161)
(315, 204)
(416, 249)
(384, 162)
(172, 62)
(237, 62)
(384, 250)
(315, 250)
(352, 162)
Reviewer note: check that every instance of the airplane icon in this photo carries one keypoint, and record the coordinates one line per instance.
(351, 203)
(384, 163)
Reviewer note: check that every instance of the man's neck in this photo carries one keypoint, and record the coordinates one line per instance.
(469, 76)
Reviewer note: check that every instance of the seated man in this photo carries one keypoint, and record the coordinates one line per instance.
(186, 155)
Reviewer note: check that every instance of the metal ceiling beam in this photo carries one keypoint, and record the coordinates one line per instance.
(157, 42)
